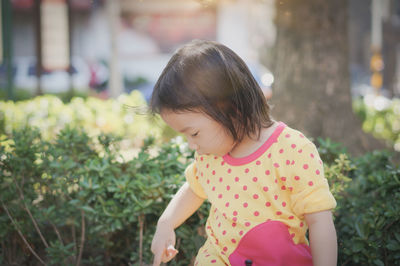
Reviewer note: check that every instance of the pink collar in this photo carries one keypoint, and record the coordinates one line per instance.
(260, 151)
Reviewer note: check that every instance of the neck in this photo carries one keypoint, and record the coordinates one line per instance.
(251, 144)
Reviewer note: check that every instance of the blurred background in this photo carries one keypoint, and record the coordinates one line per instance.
(111, 47)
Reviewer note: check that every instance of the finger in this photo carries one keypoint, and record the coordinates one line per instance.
(169, 254)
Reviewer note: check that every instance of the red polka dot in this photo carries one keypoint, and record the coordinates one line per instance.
(221, 179)
(255, 196)
(225, 249)
(213, 188)
(265, 189)
(283, 187)
(256, 213)
(208, 181)
(276, 181)
(228, 188)
(235, 213)
(255, 179)
(291, 217)
(269, 155)
(301, 136)
(258, 163)
(233, 240)
(278, 213)
(317, 172)
(233, 224)
(237, 179)
(245, 204)
(300, 151)
(293, 146)
(276, 197)
(287, 135)
(267, 172)
(213, 261)
(281, 151)
(229, 170)
(241, 233)
(220, 196)
(207, 165)
(297, 177)
(276, 165)
(268, 204)
(283, 178)
(244, 187)
(312, 155)
(301, 224)
(201, 158)
(236, 196)
(224, 232)
(292, 162)
(227, 204)
(246, 170)
(222, 163)
(234, 219)
(213, 172)
(290, 188)
(219, 224)
(201, 173)
(310, 183)
(283, 204)
(247, 224)
(305, 166)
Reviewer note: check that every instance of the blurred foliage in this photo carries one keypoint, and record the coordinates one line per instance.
(125, 117)
(383, 122)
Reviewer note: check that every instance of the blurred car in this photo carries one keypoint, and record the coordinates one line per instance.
(51, 81)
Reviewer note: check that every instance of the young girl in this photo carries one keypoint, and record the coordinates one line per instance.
(264, 180)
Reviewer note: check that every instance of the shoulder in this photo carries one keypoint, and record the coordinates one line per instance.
(294, 139)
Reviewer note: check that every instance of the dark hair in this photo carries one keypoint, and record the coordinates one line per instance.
(209, 77)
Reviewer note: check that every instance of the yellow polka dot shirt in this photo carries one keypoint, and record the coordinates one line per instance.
(272, 188)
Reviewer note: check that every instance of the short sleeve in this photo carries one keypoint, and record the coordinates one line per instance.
(193, 180)
(310, 190)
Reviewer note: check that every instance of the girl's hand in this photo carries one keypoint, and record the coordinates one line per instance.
(163, 245)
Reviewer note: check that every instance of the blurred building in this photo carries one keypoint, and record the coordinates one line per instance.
(146, 35)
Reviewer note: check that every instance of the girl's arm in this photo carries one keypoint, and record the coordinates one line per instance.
(322, 236)
(182, 206)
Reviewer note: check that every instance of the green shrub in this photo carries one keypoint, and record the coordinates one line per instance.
(368, 219)
(367, 216)
(77, 199)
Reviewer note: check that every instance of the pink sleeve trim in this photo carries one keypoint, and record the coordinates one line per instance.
(260, 151)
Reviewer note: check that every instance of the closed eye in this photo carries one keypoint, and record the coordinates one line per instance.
(195, 134)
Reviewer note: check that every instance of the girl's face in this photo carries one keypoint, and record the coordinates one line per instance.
(204, 134)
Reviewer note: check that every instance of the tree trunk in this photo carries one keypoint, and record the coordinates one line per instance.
(312, 82)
